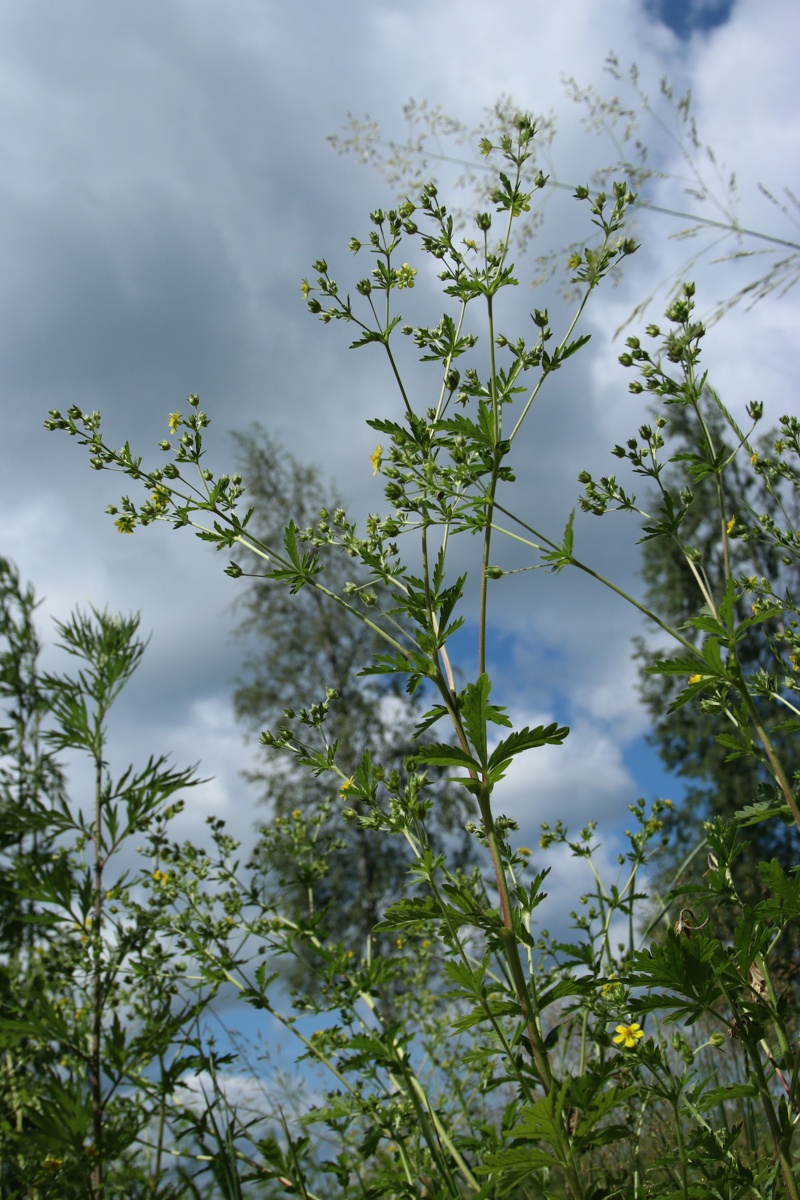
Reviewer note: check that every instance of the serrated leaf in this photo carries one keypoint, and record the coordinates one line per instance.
(440, 754)
(513, 1163)
(477, 712)
(763, 810)
(573, 347)
(526, 739)
(708, 625)
(712, 655)
(430, 718)
(290, 544)
(673, 666)
(715, 1096)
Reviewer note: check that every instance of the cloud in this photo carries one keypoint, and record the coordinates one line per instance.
(582, 780)
(168, 185)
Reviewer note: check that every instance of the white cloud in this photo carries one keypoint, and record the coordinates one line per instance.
(582, 780)
(169, 185)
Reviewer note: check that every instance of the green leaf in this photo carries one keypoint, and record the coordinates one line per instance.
(441, 755)
(713, 656)
(708, 625)
(718, 1095)
(290, 543)
(476, 712)
(763, 810)
(572, 347)
(673, 666)
(562, 556)
(430, 718)
(521, 740)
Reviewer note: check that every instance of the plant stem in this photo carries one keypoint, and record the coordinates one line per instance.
(95, 1062)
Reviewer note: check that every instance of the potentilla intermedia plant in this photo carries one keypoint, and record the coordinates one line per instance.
(521, 1065)
(95, 1005)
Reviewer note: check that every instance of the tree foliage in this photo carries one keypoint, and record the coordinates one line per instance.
(301, 646)
(715, 783)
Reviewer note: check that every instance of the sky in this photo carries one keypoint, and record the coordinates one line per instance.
(167, 184)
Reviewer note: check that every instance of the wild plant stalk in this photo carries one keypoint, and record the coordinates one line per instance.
(444, 468)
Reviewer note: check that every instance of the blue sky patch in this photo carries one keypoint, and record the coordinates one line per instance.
(684, 17)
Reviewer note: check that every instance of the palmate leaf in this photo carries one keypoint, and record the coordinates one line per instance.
(595, 1109)
(541, 1121)
(302, 570)
(784, 905)
(562, 555)
(689, 968)
(513, 1165)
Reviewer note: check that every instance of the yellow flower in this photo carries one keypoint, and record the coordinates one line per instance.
(731, 524)
(160, 497)
(753, 459)
(296, 813)
(125, 523)
(695, 678)
(405, 276)
(174, 421)
(161, 877)
(375, 459)
(574, 261)
(305, 288)
(627, 1035)
(346, 786)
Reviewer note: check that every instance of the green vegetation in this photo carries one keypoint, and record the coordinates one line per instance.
(462, 1051)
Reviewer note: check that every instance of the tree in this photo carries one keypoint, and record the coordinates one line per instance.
(686, 737)
(302, 645)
